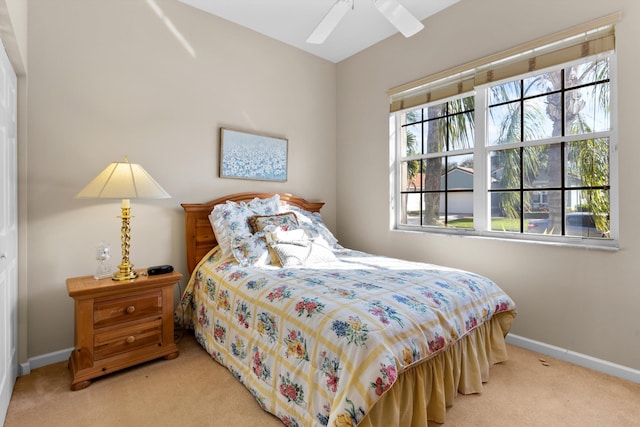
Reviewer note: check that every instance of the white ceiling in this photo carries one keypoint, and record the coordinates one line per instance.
(291, 21)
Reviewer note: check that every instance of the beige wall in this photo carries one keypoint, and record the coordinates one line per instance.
(108, 79)
(581, 300)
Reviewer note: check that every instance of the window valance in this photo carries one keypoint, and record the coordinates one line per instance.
(591, 38)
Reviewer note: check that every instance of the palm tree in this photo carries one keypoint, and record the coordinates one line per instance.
(517, 162)
(451, 127)
(412, 148)
(413, 166)
(588, 159)
(433, 166)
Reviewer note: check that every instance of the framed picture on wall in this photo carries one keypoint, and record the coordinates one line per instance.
(252, 156)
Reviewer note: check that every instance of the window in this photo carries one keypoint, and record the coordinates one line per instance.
(548, 138)
(437, 164)
(530, 156)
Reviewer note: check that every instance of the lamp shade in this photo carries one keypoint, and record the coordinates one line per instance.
(123, 180)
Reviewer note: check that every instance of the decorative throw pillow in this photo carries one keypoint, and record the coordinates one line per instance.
(231, 219)
(284, 221)
(312, 223)
(295, 248)
(251, 250)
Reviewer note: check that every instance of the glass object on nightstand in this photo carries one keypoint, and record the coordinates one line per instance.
(103, 256)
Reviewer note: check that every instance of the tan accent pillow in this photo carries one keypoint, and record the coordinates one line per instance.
(285, 221)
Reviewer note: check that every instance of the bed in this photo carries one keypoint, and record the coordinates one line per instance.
(324, 335)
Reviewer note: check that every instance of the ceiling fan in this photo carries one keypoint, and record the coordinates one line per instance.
(396, 13)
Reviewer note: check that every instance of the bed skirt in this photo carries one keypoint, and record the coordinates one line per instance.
(424, 392)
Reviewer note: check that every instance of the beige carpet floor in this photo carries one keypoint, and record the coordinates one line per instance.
(194, 390)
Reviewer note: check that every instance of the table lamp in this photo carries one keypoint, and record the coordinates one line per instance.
(124, 180)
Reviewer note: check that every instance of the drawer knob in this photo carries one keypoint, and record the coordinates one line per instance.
(131, 309)
(130, 339)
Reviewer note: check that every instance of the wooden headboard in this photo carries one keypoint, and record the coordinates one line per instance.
(199, 234)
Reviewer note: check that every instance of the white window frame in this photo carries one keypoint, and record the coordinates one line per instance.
(481, 153)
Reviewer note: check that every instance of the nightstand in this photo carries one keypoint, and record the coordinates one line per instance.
(119, 324)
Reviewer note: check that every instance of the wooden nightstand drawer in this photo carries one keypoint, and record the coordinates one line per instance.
(122, 340)
(136, 306)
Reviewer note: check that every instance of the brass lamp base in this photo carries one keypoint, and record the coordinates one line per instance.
(125, 269)
(125, 272)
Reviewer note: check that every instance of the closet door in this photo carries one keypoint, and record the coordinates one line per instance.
(8, 233)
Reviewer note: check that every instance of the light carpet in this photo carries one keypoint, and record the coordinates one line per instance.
(527, 390)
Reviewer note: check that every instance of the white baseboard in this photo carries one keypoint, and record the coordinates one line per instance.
(44, 360)
(576, 358)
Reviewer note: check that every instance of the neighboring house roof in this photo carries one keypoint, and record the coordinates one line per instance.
(461, 176)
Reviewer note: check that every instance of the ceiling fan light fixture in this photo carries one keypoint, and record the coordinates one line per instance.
(330, 21)
(399, 16)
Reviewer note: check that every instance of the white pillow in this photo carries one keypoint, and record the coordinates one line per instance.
(294, 247)
(231, 219)
(312, 223)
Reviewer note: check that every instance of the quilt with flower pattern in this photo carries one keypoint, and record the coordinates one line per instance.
(320, 345)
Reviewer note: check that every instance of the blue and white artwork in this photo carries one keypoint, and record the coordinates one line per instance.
(249, 156)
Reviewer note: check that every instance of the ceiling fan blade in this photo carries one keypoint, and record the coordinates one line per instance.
(330, 21)
(399, 16)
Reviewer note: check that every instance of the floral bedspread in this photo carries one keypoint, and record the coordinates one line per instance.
(319, 346)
